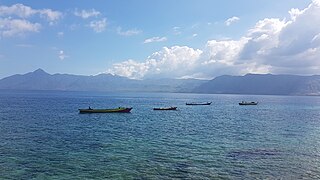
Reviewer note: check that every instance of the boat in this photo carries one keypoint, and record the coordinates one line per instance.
(166, 108)
(116, 110)
(201, 103)
(248, 103)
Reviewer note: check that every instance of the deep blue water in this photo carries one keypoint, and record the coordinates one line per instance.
(42, 136)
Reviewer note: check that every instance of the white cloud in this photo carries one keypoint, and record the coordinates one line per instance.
(99, 25)
(19, 10)
(224, 52)
(129, 32)
(316, 2)
(155, 39)
(231, 20)
(266, 26)
(130, 69)
(169, 62)
(262, 38)
(23, 11)
(272, 45)
(294, 13)
(17, 27)
(224, 57)
(194, 35)
(316, 39)
(85, 14)
(14, 19)
(62, 55)
(50, 15)
(297, 47)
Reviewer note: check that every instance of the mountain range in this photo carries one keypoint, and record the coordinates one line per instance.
(262, 84)
(41, 80)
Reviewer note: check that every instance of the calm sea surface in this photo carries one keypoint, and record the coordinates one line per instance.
(42, 136)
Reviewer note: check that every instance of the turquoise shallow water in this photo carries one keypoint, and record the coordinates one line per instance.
(42, 136)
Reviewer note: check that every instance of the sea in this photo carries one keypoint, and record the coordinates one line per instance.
(43, 136)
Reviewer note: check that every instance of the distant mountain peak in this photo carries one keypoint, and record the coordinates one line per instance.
(40, 71)
(41, 80)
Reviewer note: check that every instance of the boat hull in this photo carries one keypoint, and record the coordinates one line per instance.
(197, 104)
(165, 109)
(117, 110)
(248, 103)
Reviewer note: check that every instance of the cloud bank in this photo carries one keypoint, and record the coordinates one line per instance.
(272, 45)
(11, 27)
(23, 11)
(14, 19)
(169, 62)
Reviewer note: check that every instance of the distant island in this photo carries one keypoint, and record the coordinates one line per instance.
(259, 84)
(41, 80)
(262, 84)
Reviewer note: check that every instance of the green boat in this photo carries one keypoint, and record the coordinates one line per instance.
(116, 110)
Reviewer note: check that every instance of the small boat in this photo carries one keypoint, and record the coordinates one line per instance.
(165, 108)
(116, 110)
(202, 103)
(248, 103)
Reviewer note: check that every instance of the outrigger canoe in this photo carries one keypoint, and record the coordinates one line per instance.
(248, 103)
(116, 110)
(166, 108)
(203, 103)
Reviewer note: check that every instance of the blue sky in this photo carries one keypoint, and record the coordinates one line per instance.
(147, 39)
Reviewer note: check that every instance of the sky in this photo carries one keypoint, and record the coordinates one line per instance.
(160, 39)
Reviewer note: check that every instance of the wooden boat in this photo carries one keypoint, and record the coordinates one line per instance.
(248, 103)
(166, 108)
(202, 103)
(116, 110)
